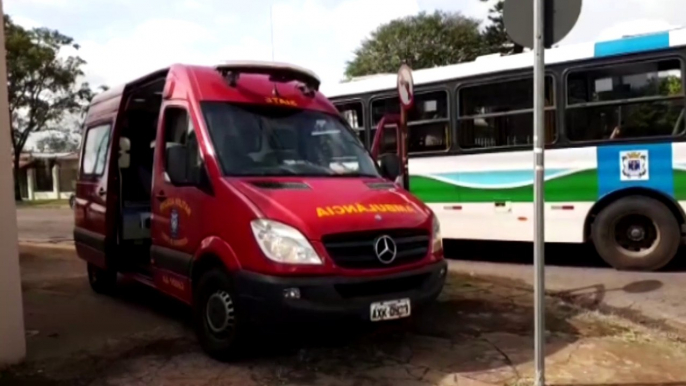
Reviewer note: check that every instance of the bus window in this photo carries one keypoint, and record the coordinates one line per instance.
(353, 113)
(428, 121)
(501, 114)
(644, 99)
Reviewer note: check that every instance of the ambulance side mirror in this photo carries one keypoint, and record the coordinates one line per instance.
(124, 156)
(389, 163)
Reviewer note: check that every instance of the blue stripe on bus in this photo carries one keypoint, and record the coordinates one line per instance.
(614, 175)
(632, 44)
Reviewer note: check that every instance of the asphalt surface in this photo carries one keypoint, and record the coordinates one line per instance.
(573, 271)
(45, 224)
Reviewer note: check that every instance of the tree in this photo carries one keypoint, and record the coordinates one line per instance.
(61, 141)
(43, 85)
(421, 41)
(495, 35)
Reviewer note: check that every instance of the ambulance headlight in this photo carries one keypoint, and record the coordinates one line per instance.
(283, 244)
(436, 239)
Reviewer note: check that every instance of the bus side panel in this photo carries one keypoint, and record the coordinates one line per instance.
(490, 196)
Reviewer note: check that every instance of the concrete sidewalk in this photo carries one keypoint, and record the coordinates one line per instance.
(479, 333)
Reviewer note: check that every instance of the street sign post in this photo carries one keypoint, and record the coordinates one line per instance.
(550, 22)
(406, 97)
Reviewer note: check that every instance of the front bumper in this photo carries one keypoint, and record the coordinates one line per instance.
(262, 297)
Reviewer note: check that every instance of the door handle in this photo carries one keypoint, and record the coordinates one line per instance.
(161, 196)
(102, 192)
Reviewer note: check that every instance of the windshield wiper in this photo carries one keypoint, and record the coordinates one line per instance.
(355, 174)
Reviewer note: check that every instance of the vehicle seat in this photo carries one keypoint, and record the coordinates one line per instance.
(235, 155)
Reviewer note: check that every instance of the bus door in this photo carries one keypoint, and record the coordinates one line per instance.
(389, 149)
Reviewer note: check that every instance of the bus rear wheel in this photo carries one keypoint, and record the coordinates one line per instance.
(636, 233)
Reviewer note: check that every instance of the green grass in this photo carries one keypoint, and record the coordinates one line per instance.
(42, 203)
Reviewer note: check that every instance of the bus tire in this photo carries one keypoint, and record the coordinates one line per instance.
(215, 317)
(102, 281)
(636, 233)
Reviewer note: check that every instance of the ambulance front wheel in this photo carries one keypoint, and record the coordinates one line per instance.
(636, 233)
(102, 281)
(215, 316)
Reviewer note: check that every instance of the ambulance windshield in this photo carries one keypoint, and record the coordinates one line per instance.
(259, 140)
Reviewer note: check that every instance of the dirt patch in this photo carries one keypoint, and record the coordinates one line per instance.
(478, 332)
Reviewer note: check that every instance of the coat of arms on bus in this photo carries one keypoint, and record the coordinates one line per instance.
(634, 165)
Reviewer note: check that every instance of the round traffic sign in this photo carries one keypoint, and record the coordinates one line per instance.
(560, 18)
(405, 87)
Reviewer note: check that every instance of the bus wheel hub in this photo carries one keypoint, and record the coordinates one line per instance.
(636, 233)
(220, 312)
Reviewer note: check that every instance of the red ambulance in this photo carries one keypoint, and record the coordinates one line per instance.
(241, 191)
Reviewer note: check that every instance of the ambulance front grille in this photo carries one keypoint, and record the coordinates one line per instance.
(357, 250)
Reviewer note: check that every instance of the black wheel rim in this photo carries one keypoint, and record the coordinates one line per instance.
(220, 314)
(636, 235)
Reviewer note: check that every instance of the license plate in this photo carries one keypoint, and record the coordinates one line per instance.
(389, 310)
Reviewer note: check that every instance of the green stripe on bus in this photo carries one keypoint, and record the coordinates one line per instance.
(577, 187)
(679, 184)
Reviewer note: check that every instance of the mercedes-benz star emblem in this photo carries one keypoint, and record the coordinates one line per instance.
(385, 249)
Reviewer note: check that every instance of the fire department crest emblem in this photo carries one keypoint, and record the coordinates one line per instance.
(174, 224)
(634, 165)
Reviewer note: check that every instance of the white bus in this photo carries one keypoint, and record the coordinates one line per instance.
(615, 158)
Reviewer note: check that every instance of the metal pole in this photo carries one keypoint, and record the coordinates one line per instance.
(403, 147)
(539, 231)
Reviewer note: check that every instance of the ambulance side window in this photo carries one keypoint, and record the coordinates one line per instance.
(97, 142)
(179, 131)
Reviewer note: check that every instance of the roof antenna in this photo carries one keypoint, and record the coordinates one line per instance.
(271, 24)
(275, 92)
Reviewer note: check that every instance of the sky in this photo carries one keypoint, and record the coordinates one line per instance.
(124, 39)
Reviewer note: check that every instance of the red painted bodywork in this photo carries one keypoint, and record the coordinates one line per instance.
(218, 224)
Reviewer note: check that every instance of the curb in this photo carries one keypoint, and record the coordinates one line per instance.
(47, 245)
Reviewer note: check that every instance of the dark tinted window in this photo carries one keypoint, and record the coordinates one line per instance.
(648, 79)
(427, 106)
(354, 114)
(501, 114)
(178, 130)
(501, 97)
(635, 100)
(428, 122)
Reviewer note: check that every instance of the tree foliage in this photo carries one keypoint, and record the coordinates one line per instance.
(495, 36)
(43, 83)
(59, 141)
(421, 41)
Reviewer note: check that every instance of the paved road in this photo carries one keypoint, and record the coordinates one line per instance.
(45, 224)
(575, 270)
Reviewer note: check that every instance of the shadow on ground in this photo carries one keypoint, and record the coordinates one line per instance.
(564, 255)
(474, 328)
(479, 329)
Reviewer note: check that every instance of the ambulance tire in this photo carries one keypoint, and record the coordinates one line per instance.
(102, 281)
(636, 233)
(216, 319)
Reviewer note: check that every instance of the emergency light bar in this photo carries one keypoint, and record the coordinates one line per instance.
(278, 72)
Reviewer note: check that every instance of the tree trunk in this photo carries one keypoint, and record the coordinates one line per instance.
(17, 182)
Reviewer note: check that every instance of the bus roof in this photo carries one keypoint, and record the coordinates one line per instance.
(495, 63)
